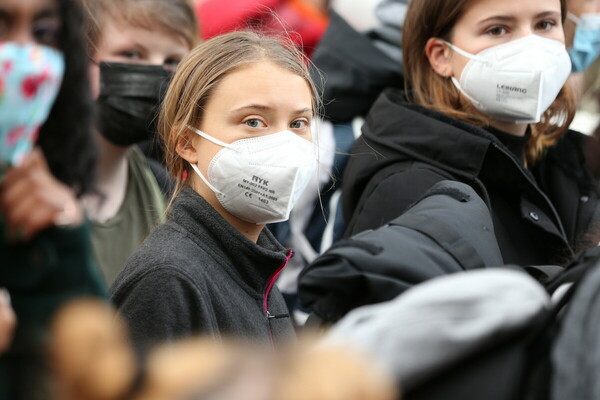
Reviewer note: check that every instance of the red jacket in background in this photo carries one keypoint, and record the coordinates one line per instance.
(305, 23)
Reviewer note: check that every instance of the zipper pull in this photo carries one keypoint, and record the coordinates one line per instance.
(271, 316)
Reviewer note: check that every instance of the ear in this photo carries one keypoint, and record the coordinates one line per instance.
(439, 55)
(185, 145)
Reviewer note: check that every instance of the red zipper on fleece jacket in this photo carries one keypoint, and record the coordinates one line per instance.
(270, 285)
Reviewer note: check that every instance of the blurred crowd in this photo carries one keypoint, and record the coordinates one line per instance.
(299, 199)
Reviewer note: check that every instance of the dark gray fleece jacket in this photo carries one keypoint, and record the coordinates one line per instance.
(196, 274)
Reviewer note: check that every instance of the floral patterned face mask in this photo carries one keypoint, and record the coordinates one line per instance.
(30, 78)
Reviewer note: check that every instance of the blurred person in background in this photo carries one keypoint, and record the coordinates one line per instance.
(236, 123)
(582, 28)
(134, 45)
(582, 32)
(44, 238)
(304, 20)
(358, 56)
(8, 321)
(505, 134)
(582, 38)
(200, 368)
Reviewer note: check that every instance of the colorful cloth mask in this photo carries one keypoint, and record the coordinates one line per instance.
(30, 78)
(260, 179)
(586, 42)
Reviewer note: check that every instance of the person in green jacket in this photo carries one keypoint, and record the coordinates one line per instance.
(45, 247)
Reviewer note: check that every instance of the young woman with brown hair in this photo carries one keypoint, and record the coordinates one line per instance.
(485, 104)
(236, 128)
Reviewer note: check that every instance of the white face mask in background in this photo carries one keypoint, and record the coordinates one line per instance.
(515, 81)
(260, 179)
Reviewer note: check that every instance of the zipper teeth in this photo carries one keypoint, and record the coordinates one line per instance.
(270, 285)
(272, 280)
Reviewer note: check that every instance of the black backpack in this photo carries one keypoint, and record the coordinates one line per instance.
(530, 365)
(377, 266)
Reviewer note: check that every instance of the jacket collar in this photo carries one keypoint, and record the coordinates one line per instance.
(399, 130)
(252, 264)
(426, 135)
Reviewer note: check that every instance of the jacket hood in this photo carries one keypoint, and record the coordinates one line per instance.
(351, 70)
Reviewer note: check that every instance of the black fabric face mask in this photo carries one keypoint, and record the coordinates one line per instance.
(129, 99)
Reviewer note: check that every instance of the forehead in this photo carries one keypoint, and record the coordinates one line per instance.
(485, 8)
(122, 33)
(263, 83)
(169, 17)
(583, 6)
(24, 8)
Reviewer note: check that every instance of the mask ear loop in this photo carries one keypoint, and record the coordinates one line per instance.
(208, 137)
(454, 80)
(573, 18)
(464, 53)
(195, 167)
(214, 189)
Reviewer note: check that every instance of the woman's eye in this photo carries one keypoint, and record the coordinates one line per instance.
(496, 31)
(254, 123)
(171, 63)
(46, 32)
(131, 54)
(299, 124)
(546, 25)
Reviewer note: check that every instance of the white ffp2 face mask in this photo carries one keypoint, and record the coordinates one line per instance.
(260, 179)
(515, 81)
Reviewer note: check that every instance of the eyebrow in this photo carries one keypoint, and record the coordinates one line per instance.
(548, 14)
(267, 108)
(49, 12)
(512, 18)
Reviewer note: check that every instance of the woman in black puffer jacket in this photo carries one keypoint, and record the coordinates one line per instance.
(467, 116)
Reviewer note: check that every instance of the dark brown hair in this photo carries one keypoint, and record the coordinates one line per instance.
(427, 19)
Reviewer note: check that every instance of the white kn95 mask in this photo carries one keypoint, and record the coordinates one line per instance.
(260, 179)
(515, 81)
